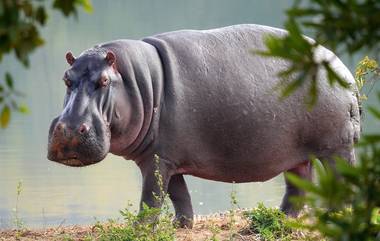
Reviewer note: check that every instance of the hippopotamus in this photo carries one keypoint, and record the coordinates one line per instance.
(206, 106)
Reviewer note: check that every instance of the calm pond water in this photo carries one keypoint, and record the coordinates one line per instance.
(53, 194)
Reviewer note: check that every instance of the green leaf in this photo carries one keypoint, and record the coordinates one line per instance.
(9, 80)
(375, 112)
(334, 77)
(5, 116)
(346, 169)
(313, 94)
(376, 216)
(41, 15)
(291, 87)
(301, 183)
(67, 7)
(23, 109)
(318, 167)
(374, 138)
(86, 4)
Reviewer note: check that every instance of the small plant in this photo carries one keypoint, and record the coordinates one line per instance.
(162, 196)
(17, 221)
(142, 226)
(135, 228)
(269, 223)
(65, 237)
(215, 230)
(364, 68)
(232, 213)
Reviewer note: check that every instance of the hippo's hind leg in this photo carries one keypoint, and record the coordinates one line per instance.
(303, 170)
(180, 197)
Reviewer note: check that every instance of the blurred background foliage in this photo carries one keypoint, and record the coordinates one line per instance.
(20, 23)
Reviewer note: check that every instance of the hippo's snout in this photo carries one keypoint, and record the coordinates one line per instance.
(76, 145)
(61, 128)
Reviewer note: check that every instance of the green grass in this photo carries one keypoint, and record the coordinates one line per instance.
(269, 223)
(138, 227)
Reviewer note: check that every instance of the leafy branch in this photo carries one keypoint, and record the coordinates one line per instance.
(343, 26)
(20, 21)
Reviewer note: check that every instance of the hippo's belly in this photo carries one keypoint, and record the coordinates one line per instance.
(244, 148)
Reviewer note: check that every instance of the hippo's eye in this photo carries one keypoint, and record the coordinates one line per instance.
(67, 82)
(103, 82)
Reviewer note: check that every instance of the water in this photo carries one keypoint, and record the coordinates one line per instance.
(53, 194)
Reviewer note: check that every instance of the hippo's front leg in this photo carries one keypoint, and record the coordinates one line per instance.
(180, 197)
(174, 185)
(151, 188)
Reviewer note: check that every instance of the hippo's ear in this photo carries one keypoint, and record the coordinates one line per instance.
(110, 58)
(70, 58)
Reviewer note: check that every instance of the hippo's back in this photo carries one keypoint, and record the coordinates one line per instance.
(220, 111)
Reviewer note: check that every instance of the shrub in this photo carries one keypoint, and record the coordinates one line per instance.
(135, 227)
(269, 223)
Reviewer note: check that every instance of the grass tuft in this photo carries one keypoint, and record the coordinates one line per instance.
(269, 223)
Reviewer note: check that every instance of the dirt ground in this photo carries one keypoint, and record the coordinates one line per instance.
(205, 228)
(210, 228)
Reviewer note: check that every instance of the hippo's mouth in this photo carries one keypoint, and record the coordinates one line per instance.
(72, 162)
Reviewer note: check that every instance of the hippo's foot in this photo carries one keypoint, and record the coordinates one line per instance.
(180, 197)
(183, 222)
(289, 209)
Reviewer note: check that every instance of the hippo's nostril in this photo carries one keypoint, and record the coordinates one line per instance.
(83, 128)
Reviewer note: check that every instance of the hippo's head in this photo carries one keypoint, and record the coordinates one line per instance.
(81, 134)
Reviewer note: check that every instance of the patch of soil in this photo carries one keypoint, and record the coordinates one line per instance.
(211, 227)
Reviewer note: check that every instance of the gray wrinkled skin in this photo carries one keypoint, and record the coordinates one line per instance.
(206, 106)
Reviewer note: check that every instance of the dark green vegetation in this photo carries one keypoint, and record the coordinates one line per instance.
(20, 21)
(344, 208)
(269, 223)
(136, 227)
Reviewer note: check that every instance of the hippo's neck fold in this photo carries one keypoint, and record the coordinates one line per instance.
(140, 67)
